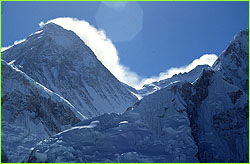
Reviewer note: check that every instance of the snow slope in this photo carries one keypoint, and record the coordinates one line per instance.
(156, 129)
(59, 60)
(30, 113)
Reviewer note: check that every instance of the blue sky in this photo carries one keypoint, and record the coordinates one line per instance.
(150, 37)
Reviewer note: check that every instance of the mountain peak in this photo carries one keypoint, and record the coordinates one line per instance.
(233, 62)
(242, 33)
(236, 51)
(54, 29)
(58, 35)
(59, 60)
(51, 25)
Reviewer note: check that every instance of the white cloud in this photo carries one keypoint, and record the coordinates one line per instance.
(208, 59)
(101, 46)
(108, 55)
(15, 43)
(106, 52)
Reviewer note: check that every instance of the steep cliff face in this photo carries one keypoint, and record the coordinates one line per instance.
(30, 113)
(59, 60)
(219, 109)
(233, 63)
(219, 119)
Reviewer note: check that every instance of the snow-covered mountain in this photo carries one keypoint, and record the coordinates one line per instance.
(59, 60)
(218, 113)
(232, 62)
(51, 81)
(221, 120)
(206, 120)
(30, 113)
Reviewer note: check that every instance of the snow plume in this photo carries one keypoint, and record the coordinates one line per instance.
(106, 52)
(102, 46)
(208, 59)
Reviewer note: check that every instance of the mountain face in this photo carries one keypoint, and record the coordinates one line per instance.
(30, 113)
(218, 113)
(59, 60)
(233, 62)
(50, 82)
(206, 120)
(221, 121)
